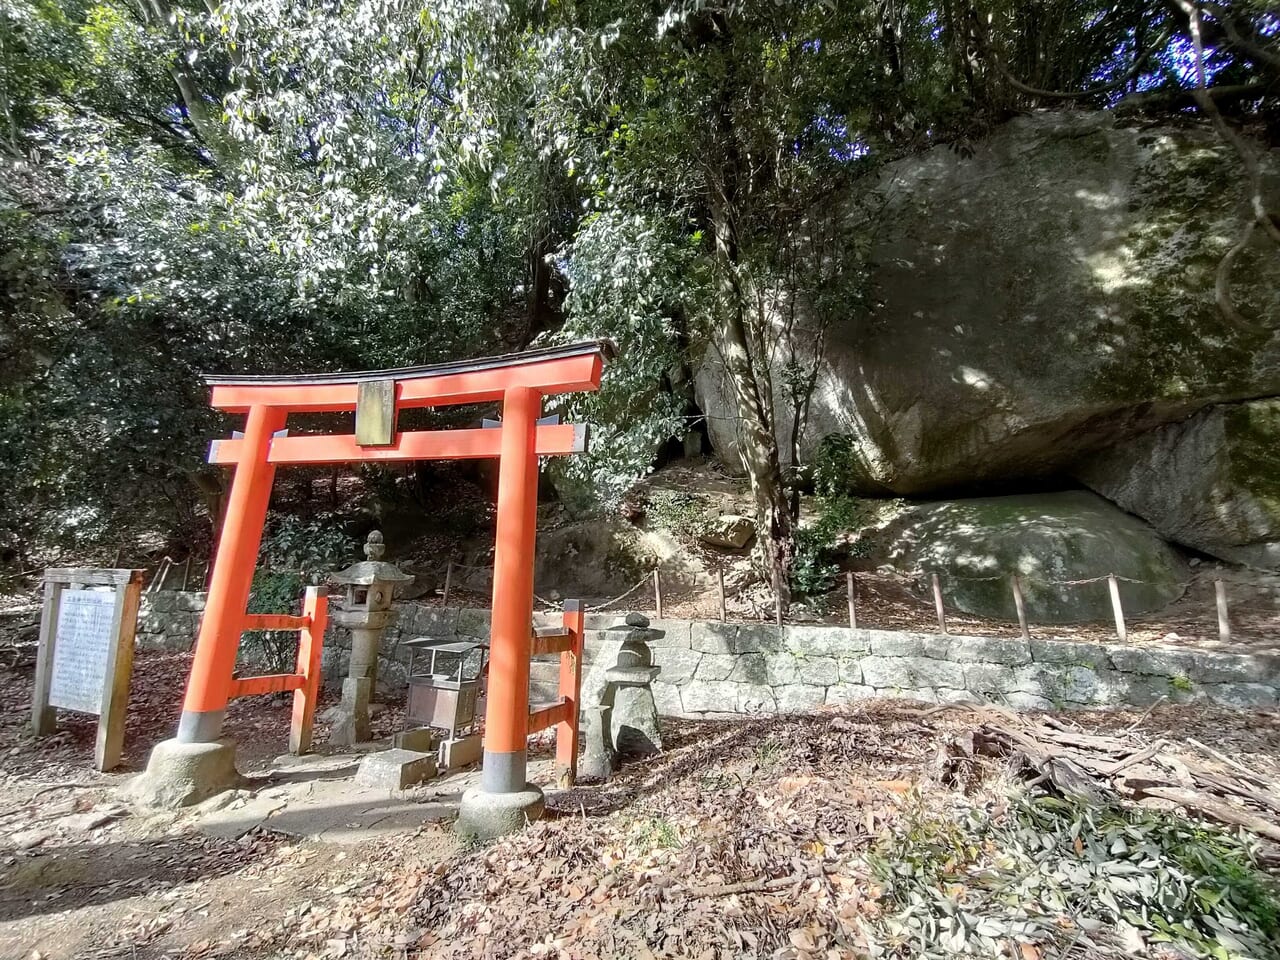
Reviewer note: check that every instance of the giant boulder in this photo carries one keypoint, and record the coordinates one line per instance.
(1044, 297)
(1211, 482)
(1061, 545)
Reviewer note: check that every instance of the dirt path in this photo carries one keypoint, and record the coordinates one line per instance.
(700, 851)
(82, 876)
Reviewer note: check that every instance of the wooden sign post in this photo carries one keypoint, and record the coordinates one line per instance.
(85, 657)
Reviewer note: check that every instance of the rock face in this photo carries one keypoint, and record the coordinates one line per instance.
(1046, 297)
(1211, 482)
(606, 556)
(589, 558)
(976, 545)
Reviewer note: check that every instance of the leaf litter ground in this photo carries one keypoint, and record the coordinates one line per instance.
(748, 837)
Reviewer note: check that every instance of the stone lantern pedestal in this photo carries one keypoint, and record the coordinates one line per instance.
(366, 612)
(598, 760)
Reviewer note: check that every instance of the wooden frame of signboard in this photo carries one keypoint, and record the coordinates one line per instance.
(115, 663)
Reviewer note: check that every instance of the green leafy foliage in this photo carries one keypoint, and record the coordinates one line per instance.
(1045, 871)
(824, 541)
(279, 186)
(631, 279)
(295, 553)
(685, 514)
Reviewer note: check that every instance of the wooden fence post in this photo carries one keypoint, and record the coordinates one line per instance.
(937, 604)
(574, 620)
(851, 592)
(1114, 585)
(1224, 622)
(315, 610)
(657, 593)
(43, 716)
(1020, 606)
(720, 592)
(448, 582)
(109, 744)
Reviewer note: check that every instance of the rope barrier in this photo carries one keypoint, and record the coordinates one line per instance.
(903, 578)
(550, 604)
(470, 566)
(1016, 581)
(914, 580)
(621, 596)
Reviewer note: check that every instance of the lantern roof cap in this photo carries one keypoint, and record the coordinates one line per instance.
(368, 571)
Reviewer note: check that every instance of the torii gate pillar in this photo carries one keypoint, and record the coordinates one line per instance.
(505, 799)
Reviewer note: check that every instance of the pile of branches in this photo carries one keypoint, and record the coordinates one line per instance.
(1097, 768)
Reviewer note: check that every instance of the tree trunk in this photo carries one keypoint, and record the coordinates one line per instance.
(741, 338)
(540, 313)
(748, 372)
(207, 127)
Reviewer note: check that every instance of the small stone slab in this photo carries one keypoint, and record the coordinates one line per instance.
(462, 751)
(419, 740)
(395, 769)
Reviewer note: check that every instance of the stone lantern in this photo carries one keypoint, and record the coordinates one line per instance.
(366, 611)
(625, 723)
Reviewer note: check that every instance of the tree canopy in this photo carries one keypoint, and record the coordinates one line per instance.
(272, 185)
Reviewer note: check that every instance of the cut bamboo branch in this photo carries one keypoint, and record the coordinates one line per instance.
(1216, 809)
(1232, 763)
(448, 583)
(657, 593)
(937, 604)
(720, 593)
(1082, 764)
(1136, 758)
(1269, 800)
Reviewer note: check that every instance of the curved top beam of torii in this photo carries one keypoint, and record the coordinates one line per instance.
(570, 368)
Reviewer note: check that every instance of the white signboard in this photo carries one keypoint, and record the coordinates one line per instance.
(82, 648)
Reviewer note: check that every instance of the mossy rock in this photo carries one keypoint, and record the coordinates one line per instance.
(1045, 296)
(591, 558)
(1211, 482)
(1049, 540)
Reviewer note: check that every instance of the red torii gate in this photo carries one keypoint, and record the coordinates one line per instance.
(519, 381)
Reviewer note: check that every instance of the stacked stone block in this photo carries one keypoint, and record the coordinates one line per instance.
(710, 668)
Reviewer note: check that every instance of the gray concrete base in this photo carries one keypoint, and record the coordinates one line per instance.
(395, 769)
(183, 774)
(483, 816)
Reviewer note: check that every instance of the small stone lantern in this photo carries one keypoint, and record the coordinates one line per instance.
(366, 612)
(626, 721)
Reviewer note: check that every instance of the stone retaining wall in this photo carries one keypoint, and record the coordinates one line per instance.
(716, 668)
(169, 620)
